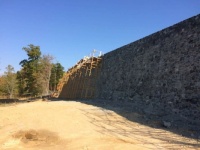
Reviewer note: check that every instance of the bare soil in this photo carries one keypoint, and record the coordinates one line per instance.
(77, 126)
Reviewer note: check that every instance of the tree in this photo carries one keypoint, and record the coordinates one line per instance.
(34, 77)
(2, 86)
(30, 71)
(33, 52)
(21, 82)
(56, 74)
(9, 82)
(45, 73)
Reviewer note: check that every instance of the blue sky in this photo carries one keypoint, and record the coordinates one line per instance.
(71, 29)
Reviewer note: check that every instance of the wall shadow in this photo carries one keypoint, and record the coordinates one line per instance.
(108, 123)
(140, 115)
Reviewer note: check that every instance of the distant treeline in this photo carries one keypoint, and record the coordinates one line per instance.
(38, 76)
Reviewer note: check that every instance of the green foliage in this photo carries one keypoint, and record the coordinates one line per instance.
(21, 82)
(34, 77)
(56, 74)
(8, 82)
(33, 52)
(38, 74)
(2, 86)
(27, 77)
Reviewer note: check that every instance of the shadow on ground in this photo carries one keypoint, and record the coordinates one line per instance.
(110, 124)
(134, 113)
(8, 102)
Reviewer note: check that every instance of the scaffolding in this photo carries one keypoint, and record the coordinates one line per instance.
(80, 81)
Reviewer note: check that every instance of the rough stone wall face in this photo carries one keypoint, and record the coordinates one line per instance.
(161, 70)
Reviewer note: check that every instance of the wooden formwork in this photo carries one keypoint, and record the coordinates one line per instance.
(79, 82)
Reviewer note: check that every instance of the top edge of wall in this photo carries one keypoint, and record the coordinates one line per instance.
(163, 32)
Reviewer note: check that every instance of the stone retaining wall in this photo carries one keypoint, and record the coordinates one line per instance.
(161, 72)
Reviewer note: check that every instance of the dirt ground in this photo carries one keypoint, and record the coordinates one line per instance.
(73, 125)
